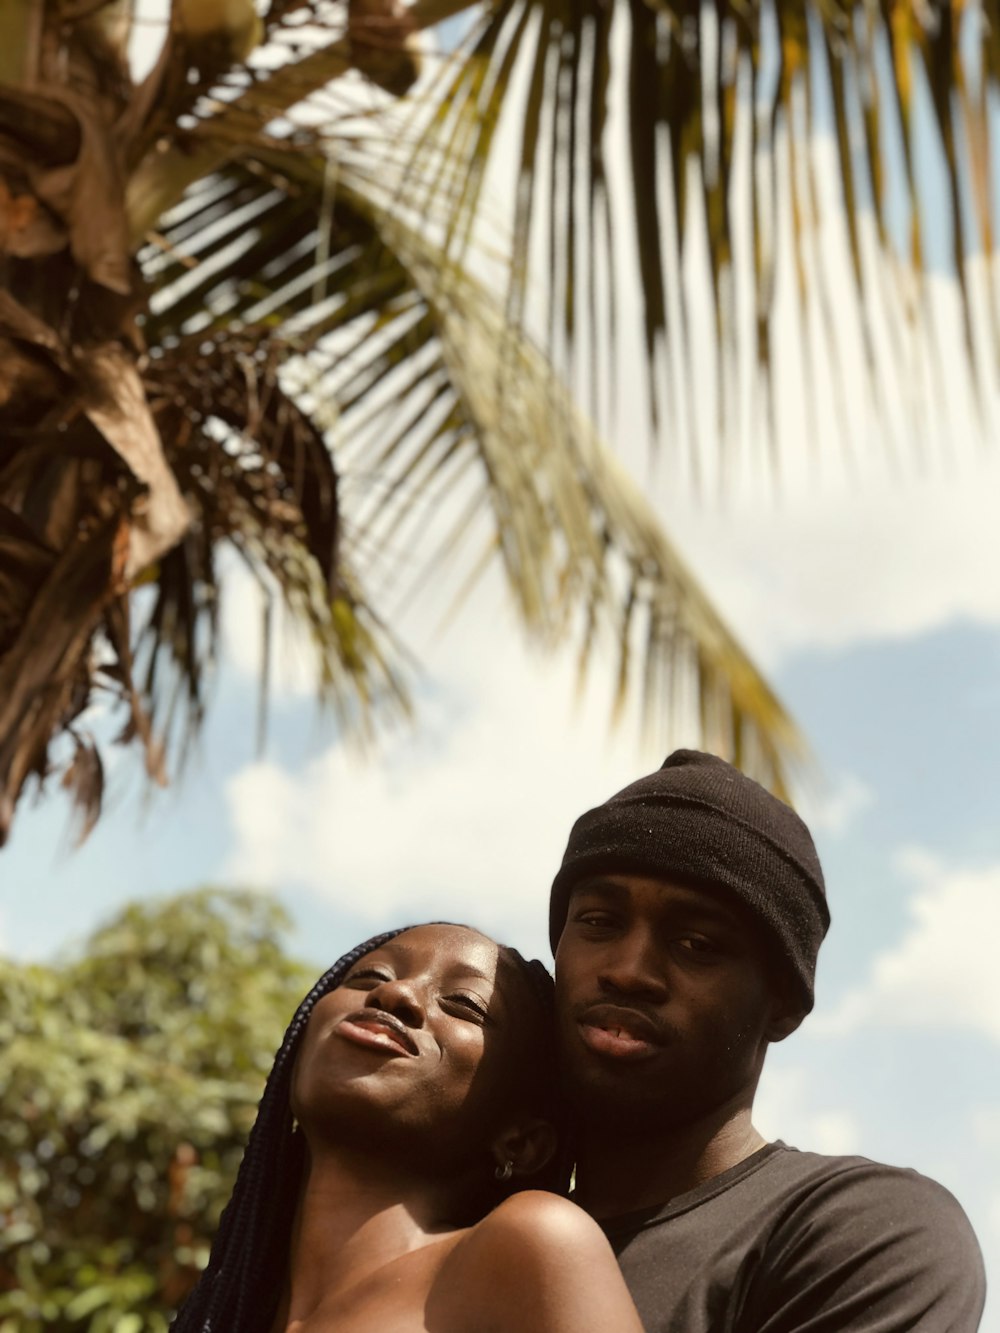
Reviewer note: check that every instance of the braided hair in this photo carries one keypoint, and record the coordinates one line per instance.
(239, 1289)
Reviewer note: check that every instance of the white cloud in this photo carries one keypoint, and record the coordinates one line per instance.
(833, 554)
(942, 973)
(835, 806)
(885, 529)
(829, 569)
(467, 818)
(783, 1109)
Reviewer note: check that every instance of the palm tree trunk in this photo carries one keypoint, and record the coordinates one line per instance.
(20, 38)
(86, 497)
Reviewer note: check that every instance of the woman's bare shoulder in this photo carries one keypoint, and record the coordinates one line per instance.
(537, 1264)
(536, 1219)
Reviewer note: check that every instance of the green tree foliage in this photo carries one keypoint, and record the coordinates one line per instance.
(129, 1079)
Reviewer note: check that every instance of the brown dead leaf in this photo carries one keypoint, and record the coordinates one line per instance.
(383, 38)
(119, 410)
(89, 196)
(27, 230)
(16, 212)
(84, 780)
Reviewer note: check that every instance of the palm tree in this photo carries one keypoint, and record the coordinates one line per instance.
(227, 326)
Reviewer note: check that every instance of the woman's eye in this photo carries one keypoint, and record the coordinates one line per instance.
(469, 1006)
(366, 978)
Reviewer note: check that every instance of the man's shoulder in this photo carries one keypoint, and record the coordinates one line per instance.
(794, 1231)
(837, 1193)
(799, 1164)
(781, 1182)
(823, 1179)
(876, 1230)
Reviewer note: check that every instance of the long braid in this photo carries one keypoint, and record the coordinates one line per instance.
(241, 1285)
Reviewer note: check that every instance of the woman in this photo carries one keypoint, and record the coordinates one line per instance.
(410, 1103)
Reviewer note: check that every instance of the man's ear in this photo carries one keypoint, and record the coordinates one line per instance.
(528, 1143)
(785, 1018)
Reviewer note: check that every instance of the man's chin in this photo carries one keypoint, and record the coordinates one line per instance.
(607, 1100)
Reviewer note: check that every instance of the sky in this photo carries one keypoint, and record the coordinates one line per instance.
(866, 590)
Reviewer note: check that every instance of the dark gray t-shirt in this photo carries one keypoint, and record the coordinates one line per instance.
(793, 1242)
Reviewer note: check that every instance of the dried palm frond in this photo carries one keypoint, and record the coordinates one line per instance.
(258, 476)
(110, 481)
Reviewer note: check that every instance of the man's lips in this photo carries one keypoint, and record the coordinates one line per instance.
(620, 1033)
(378, 1031)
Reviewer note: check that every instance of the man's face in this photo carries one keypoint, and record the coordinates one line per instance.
(664, 1003)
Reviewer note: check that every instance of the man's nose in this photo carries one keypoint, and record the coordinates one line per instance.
(401, 998)
(634, 967)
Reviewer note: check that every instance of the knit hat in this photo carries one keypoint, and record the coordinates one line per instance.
(699, 819)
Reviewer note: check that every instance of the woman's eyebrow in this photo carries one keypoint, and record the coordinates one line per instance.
(465, 971)
(475, 972)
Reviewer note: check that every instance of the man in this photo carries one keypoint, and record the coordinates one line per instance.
(686, 920)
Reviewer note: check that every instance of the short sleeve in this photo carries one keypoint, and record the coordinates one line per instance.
(872, 1249)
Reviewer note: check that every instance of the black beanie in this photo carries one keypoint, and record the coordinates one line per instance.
(698, 819)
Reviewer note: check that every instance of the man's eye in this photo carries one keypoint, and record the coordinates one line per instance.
(697, 944)
(594, 918)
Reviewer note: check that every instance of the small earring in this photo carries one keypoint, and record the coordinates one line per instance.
(295, 1125)
(506, 1171)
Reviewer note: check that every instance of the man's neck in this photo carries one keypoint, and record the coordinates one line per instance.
(620, 1172)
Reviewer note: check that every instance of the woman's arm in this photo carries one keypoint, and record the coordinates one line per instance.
(536, 1264)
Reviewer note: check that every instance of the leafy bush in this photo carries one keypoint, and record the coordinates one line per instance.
(129, 1078)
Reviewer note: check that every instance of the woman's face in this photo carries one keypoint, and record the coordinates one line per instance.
(422, 1040)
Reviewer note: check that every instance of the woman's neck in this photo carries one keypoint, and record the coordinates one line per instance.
(353, 1217)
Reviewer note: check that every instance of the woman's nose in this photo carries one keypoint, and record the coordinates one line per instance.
(398, 997)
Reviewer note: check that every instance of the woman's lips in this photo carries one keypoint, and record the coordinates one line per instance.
(374, 1032)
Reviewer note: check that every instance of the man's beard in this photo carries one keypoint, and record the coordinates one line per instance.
(603, 1110)
(627, 1102)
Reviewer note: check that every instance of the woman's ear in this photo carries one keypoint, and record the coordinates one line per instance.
(528, 1144)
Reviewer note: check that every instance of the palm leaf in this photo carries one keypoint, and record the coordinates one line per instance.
(542, 66)
(418, 364)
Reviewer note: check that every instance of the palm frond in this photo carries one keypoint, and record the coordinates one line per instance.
(710, 106)
(198, 128)
(440, 409)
